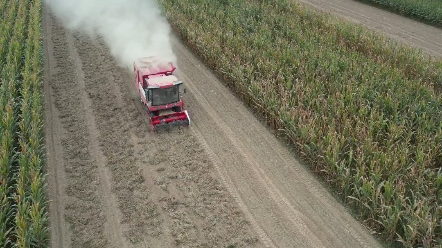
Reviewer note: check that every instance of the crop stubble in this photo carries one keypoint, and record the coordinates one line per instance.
(163, 188)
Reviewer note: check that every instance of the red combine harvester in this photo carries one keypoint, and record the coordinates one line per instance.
(159, 90)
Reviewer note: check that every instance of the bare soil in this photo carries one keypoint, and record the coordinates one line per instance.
(224, 181)
(114, 183)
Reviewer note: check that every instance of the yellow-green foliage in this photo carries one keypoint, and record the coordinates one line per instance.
(23, 212)
(361, 109)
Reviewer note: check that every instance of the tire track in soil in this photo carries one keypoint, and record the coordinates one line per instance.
(59, 233)
(139, 214)
(83, 203)
(202, 212)
(110, 208)
(226, 180)
(293, 211)
(197, 209)
(175, 198)
(301, 225)
(286, 201)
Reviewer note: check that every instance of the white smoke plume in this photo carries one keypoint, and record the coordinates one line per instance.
(131, 28)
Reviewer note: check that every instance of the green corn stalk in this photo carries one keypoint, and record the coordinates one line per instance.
(6, 158)
(23, 217)
(31, 133)
(349, 101)
(2, 5)
(6, 26)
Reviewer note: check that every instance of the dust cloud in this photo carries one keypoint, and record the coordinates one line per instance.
(131, 28)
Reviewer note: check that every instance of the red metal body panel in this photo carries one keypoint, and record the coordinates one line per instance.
(177, 116)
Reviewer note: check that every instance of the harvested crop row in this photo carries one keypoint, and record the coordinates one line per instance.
(23, 217)
(426, 10)
(347, 99)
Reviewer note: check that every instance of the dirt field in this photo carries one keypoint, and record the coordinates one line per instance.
(225, 181)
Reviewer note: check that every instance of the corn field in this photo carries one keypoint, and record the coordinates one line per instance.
(363, 111)
(426, 10)
(23, 205)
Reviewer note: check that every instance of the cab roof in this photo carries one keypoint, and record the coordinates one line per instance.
(162, 81)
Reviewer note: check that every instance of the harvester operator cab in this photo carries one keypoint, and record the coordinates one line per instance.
(162, 96)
